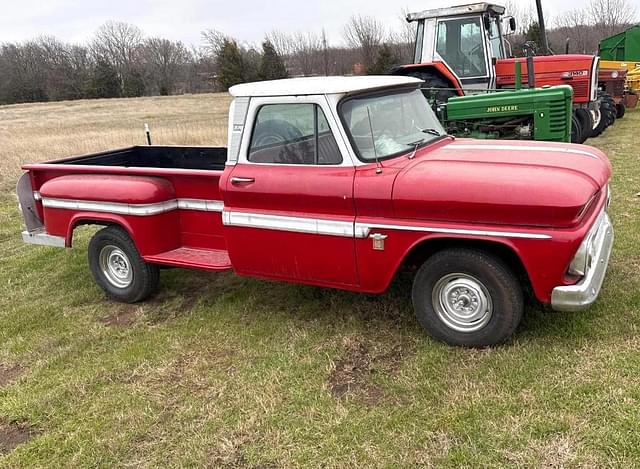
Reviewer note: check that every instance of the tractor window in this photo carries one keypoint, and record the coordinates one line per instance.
(495, 39)
(460, 44)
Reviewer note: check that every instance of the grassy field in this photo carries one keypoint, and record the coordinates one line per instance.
(222, 371)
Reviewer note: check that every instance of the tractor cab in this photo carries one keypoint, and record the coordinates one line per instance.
(465, 40)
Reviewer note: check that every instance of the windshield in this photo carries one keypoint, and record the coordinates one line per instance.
(382, 126)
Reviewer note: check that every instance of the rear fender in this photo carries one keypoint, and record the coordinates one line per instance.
(98, 219)
(439, 69)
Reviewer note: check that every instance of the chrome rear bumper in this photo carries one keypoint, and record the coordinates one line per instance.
(43, 239)
(581, 295)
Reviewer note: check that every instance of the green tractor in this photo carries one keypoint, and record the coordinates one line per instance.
(530, 114)
(522, 114)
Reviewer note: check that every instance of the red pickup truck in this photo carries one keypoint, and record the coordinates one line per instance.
(340, 182)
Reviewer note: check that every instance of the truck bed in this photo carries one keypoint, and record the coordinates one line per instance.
(155, 156)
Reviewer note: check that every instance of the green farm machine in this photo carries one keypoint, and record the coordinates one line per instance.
(522, 114)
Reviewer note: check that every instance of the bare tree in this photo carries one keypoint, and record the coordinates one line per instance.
(165, 60)
(402, 40)
(366, 34)
(572, 28)
(213, 41)
(120, 44)
(611, 16)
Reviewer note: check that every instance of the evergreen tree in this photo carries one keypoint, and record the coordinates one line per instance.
(104, 81)
(230, 64)
(385, 60)
(133, 84)
(271, 66)
(533, 35)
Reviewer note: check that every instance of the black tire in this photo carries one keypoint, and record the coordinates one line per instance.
(620, 110)
(435, 88)
(576, 130)
(586, 123)
(112, 252)
(460, 268)
(608, 108)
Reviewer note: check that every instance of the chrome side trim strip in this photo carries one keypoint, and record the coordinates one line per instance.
(135, 209)
(36, 195)
(430, 229)
(43, 239)
(112, 207)
(295, 224)
(518, 148)
(201, 204)
(344, 228)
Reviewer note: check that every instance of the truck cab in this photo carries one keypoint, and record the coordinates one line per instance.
(342, 182)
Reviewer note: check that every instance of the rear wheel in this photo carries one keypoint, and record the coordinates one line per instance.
(608, 108)
(576, 130)
(467, 297)
(586, 123)
(118, 268)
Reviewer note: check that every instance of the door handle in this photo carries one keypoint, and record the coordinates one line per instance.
(242, 180)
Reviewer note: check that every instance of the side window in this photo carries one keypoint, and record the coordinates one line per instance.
(293, 134)
(460, 44)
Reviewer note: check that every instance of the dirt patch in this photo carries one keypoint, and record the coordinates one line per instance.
(13, 435)
(124, 316)
(8, 374)
(354, 371)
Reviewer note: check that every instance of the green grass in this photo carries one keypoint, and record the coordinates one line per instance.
(229, 372)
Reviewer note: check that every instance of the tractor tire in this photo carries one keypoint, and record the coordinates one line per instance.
(620, 110)
(586, 123)
(435, 88)
(576, 130)
(609, 109)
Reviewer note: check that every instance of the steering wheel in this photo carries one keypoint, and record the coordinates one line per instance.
(275, 131)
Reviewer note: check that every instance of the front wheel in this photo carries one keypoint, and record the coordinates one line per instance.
(118, 268)
(467, 297)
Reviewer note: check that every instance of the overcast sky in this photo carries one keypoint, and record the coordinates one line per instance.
(246, 20)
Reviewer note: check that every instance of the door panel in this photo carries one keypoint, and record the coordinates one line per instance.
(291, 222)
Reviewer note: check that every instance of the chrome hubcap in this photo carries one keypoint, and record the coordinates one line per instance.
(462, 302)
(115, 266)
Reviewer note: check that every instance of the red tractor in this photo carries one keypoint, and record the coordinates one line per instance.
(463, 50)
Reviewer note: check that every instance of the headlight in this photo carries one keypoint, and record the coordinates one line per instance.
(586, 252)
(614, 74)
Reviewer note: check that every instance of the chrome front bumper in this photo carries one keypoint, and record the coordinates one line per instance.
(581, 295)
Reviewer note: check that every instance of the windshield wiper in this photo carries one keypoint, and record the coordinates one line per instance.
(432, 132)
(415, 144)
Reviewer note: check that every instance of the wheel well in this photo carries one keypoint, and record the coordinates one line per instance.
(84, 222)
(425, 249)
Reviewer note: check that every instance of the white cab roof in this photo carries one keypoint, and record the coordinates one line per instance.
(319, 85)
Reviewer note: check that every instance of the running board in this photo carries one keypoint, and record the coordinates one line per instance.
(193, 258)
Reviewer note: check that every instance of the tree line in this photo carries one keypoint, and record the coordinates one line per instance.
(120, 61)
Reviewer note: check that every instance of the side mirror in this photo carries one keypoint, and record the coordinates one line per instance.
(508, 25)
